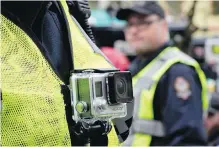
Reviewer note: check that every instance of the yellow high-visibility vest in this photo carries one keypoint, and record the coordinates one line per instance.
(145, 82)
(33, 111)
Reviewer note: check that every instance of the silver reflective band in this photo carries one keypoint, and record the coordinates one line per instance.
(129, 141)
(151, 127)
(146, 81)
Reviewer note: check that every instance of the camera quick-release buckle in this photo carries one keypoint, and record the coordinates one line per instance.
(92, 129)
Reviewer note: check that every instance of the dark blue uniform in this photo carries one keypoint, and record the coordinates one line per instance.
(182, 118)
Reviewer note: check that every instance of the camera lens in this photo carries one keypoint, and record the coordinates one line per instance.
(121, 86)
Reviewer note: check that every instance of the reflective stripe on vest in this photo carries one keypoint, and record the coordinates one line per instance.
(152, 127)
(145, 83)
(33, 111)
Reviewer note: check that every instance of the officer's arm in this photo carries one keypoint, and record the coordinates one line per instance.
(183, 115)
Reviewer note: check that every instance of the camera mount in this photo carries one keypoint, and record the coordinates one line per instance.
(92, 130)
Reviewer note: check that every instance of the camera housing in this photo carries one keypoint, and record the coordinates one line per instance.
(100, 95)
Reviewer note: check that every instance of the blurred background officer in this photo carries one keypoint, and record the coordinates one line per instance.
(212, 120)
(169, 86)
(198, 53)
(36, 62)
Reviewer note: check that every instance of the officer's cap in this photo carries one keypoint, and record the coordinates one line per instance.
(147, 8)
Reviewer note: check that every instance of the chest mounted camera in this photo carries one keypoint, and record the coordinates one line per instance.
(100, 96)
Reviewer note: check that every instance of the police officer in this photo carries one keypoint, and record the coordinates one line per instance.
(37, 56)
(169, 86)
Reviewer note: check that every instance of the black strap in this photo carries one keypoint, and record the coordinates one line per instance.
(75, 139)
(99, 141)
(0, 100)
(81, 12)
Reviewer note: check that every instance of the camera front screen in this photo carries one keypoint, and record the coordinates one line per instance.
(98, 89)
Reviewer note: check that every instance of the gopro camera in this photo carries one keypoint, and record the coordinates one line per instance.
(100, 96)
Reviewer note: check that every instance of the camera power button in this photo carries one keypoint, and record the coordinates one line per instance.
(81, 107)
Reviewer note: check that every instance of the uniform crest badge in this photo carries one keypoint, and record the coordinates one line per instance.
(182, 88)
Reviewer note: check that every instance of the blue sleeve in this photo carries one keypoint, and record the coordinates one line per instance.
(183, 118)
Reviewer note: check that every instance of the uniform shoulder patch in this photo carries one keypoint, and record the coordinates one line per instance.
(182, 88)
